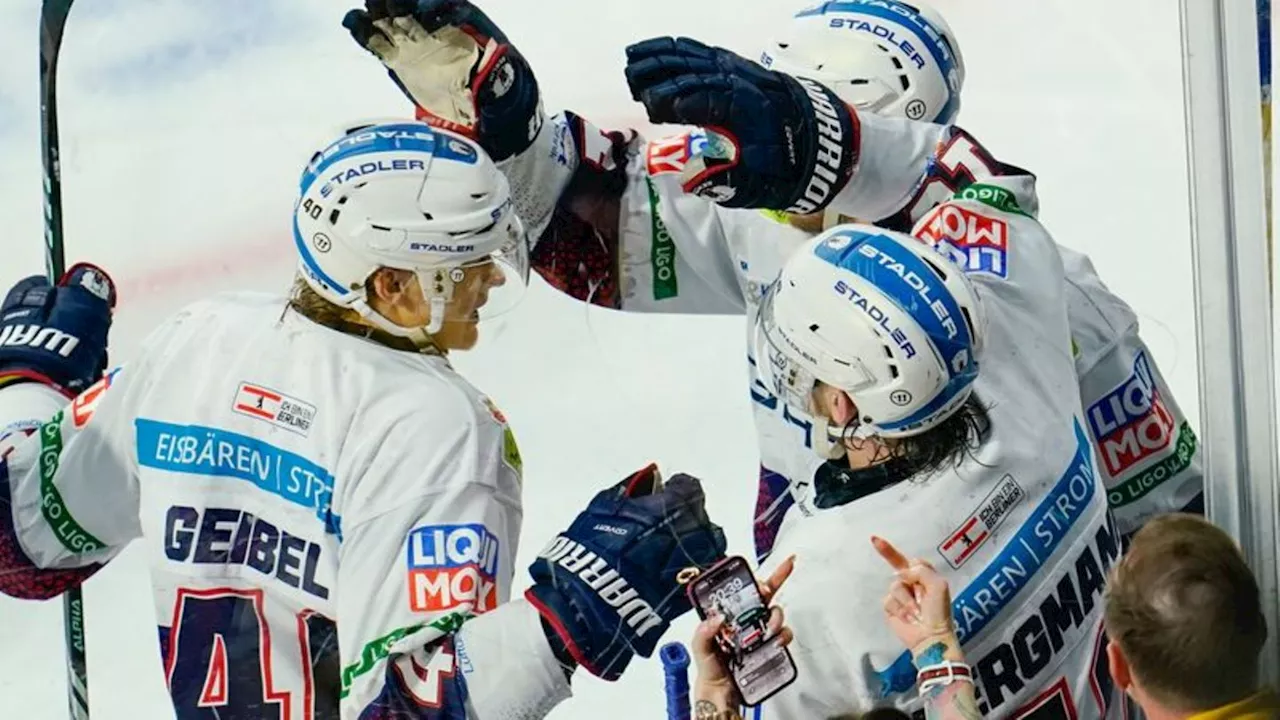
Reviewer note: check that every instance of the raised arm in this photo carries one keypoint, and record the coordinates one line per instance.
(430, 536)
(611, 223)
(68, 491)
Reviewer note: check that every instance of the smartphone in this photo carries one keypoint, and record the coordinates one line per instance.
(758, 664)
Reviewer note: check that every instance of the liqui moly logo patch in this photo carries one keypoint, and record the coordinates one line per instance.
(975, 242)
(283, 411)
(1131, 423)
(976, 529)
(451, 566)
(671, 154)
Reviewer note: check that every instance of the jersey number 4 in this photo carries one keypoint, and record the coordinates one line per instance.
(220, 660)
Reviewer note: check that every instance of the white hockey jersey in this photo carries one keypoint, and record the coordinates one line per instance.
(331, 524)
(1020, 527)
(617, 230)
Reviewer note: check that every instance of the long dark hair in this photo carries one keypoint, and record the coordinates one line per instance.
(948, 444)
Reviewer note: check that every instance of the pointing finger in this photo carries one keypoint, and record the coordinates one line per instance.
(896, 560)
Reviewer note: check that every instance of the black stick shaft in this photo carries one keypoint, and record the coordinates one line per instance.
(53, 19)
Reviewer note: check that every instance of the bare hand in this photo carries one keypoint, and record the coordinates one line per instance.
(917, 607)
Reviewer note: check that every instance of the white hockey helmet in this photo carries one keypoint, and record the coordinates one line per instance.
(404, 195)
(883, 56)
(879, 315)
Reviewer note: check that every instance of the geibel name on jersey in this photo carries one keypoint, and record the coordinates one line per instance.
(230, 536)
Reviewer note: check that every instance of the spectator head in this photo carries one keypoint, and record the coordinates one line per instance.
(1184, 618)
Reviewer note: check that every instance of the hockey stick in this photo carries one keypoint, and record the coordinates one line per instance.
(675, 671)
(53, 19)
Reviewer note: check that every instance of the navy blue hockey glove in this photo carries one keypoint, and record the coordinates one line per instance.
(608, 586)
(57, 335)
(455, 64)
(773, 141)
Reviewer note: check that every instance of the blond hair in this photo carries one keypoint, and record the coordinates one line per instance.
(308, 303)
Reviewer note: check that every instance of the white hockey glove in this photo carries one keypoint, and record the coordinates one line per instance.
(456, 66)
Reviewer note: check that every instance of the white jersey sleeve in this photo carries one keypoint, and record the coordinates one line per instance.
(615, 228)
(1147, 450)
(72, 483)
(27, 411)
(23, 408)
(442, 520)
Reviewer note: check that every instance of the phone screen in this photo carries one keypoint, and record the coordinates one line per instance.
(760, 666)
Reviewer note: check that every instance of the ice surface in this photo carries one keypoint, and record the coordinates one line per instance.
(185, 123)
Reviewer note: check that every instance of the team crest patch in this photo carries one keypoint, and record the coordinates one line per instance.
(977, 528)
(283, 411)
(511, 451)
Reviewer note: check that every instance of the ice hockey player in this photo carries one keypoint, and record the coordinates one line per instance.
(616, 227)
(951, 391)
(332, 512)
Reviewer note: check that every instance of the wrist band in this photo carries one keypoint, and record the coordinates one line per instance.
(943, 673)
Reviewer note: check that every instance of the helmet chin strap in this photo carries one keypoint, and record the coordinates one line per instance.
(829, 442)
(421, 337)
(437, 287)
(825, 444)
(436, 322)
